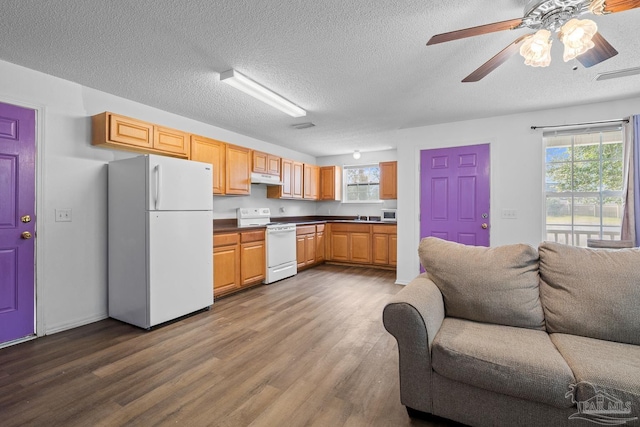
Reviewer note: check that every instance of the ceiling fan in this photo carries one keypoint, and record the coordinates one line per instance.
(580, 37)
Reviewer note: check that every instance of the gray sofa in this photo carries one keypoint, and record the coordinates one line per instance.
(519, 336)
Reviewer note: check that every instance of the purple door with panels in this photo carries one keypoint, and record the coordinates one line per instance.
(17, 221)
(454, 194)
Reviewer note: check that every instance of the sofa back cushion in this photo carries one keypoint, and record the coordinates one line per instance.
(591, 292)
(493, 285)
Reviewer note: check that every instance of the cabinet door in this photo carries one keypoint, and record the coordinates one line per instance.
(330, 183)
(287, 178)
(273, 165)
(388, 180)
(259, 162)
(301, 257)
(214, 152)
(320, 247)
(310, 249)
(311, 182)
(381, 249)
(393, 249)
(126, 130)
(360, 246)
(226, 269)
(171, 141)
(297, 176)
(339, 246)
(238, 178)
(252, 262)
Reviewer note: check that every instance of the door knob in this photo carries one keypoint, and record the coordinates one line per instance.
(26, 218)
(26, 235)
(485, 226)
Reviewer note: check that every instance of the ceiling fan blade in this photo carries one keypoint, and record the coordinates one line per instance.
(613, 6)
(475, 31)
(496, 61)
(597, 54)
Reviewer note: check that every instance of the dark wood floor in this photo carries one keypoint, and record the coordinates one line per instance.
(309, 350)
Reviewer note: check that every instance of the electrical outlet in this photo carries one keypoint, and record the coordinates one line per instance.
(63, 215)
(509, 214)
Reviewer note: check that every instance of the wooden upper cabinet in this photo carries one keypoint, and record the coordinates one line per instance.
(125, 133)
(126, 130)
(170, 140)
(388, 180)
(211, 151)
(291, 176)
(238, 170)
(311, 182)
(297, 174)
(330, 183)
(266, 163)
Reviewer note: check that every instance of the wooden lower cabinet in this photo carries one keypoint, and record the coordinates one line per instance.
(320, 243)
(308, 250)
(385, 245)
(252, 263)
(226, 263)
(239, 260)
(363, 244)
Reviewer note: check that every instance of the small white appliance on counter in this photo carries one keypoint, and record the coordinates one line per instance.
(389, 215)
(160, 239)
(280, 242)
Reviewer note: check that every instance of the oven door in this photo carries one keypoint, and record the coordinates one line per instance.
(281, 245)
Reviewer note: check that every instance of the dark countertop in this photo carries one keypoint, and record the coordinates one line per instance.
(230, 225)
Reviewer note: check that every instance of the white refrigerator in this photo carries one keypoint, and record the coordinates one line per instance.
(160, 239)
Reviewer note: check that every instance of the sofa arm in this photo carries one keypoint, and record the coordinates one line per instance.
(413, 317)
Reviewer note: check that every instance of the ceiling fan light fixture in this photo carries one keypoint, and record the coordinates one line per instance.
(536, 50)
(597, 7)
(576, 36)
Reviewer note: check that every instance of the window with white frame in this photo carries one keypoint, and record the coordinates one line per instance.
(584, 185)
(361, 184)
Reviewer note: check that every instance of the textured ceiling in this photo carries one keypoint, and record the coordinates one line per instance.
(359, 67)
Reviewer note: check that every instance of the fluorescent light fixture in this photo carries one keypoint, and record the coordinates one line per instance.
(618, 73)
(248, 86)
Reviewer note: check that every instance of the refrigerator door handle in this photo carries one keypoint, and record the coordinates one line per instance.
(158, 182)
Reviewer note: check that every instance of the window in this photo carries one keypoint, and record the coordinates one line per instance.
(583, 185)
(362, 183)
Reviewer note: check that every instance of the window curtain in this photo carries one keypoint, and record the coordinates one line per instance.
(631, 217)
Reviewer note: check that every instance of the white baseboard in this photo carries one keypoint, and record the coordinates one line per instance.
(49, 330)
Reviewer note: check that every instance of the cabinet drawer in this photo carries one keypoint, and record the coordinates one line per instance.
(385, 229)
(305, 229)
(351, 228)
(225, 239)
(320, 228)
(251, 236)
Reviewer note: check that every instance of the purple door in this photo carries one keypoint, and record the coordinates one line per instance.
(454, 194)
(17, 221)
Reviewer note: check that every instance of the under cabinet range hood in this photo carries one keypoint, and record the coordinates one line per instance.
(261, 178)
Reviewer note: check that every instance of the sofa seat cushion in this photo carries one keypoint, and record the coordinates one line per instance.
(491, 285)
(517, 362)
(591, 292)
(602, 366)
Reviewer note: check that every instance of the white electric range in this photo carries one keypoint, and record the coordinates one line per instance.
(280, 242)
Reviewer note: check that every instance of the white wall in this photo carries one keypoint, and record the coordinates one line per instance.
(72, 256)
(353, 209)
(516, 170)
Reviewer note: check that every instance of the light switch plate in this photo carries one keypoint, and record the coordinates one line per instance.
(509, 214)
